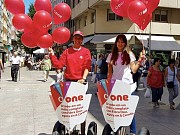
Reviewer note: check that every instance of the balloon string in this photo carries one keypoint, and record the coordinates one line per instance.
(141, 36)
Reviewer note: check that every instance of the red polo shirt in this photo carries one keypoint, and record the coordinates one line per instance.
(75, 61)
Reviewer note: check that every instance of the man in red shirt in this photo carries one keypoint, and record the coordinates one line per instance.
(77, 60)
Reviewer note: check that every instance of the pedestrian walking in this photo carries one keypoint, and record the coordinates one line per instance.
(98, 66)
(172, 78)
(77, 60)
(103, 68)
(136, 78)
(59, 75)
(155, 79)
(93, 63)
(46, 66)
(15, 61)
(145, 72)
(121, 62)
(1, 68)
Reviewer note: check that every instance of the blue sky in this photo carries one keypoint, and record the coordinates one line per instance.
(27, 3)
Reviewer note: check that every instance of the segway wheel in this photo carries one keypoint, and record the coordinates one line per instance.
(143, 131)
(59, 129)
(108, 130)
(92, 128)
(121, 131)
(75, 132)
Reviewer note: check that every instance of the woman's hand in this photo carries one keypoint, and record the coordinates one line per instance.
(142, 56)
(50, 50)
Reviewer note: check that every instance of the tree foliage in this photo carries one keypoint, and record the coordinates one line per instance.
(31, 11)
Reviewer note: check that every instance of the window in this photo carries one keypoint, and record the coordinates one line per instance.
(161, 15)
(93, 17)
(112, 16)
(85, 20)
(78, 24)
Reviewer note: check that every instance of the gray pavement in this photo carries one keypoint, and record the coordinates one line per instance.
(25, 108)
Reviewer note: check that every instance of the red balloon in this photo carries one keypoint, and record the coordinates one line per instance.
(42, 19)
(15, 6)
(22, 22)
(31, 38)
(144, 21)
(135, 10)
(28, 40)
(45, 41)
(43, 5)
(120, 7)
(61, 35)
(61, 13)
(151, 5)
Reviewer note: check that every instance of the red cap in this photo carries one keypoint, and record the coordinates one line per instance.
(78, 33)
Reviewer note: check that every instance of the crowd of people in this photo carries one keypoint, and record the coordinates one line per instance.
(76, 62)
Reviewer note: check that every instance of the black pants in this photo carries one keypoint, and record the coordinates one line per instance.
(14, 71)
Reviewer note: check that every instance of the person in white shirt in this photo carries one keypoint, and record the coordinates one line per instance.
(121, 64)
(1, 67)
(15, 61)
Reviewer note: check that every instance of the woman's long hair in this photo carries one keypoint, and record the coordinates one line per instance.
(125, 56)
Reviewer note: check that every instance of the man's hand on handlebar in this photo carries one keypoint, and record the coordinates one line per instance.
(50, 50)
(82, 81)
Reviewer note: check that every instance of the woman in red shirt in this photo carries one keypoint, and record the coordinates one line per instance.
(155, 80)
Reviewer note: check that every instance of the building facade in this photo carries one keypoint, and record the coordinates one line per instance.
(7, 31)
(100, 25)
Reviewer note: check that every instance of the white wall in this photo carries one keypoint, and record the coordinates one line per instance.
(170, 3)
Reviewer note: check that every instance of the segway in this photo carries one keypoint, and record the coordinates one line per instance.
(71, 108)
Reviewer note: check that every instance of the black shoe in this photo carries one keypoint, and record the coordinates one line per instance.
(173, 103)
(157, 103)
(95, 93)
(172, 107)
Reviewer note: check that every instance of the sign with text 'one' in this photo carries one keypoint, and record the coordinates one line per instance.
(117, 103)
(70, 102)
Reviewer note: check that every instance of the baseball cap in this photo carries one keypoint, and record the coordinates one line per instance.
(78, 33)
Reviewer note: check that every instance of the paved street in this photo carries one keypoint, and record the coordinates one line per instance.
(25, 108)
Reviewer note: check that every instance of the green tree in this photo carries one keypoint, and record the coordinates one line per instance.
(31, 10)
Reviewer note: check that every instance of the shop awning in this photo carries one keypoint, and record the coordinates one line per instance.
(160, 43)
(112, 40)
(107, 38)
(41, 50)
(87, 39)
(100, 38)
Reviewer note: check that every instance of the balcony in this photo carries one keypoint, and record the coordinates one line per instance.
(84, 6)
(79, 8)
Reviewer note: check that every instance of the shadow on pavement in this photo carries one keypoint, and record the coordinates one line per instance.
(44, 134)
(40, 80)
(53, 77)
(9, 80)
(178, 107)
